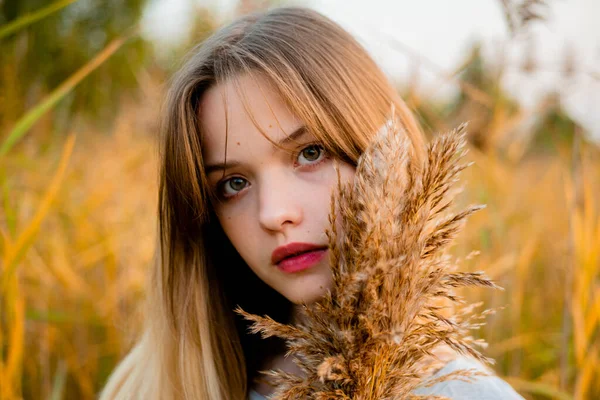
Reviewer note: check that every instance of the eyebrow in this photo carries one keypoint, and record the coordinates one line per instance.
(296, 134)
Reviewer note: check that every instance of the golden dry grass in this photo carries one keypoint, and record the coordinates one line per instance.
(375, 334)
(72, 298)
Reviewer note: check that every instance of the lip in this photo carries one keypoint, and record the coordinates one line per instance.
(297, 256)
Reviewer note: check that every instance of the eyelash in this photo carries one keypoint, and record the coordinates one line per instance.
(324, 156)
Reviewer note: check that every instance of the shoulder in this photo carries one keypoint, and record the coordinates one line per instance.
(481, 388)
(255, 396)
(134, 377)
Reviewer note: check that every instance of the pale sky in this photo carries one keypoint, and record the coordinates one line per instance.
(440, 31)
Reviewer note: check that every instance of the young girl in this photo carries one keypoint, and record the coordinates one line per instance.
(252, 125)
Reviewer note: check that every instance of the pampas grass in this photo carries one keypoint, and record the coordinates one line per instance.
(378, 332)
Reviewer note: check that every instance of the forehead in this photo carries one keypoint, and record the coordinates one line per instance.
(238, 112)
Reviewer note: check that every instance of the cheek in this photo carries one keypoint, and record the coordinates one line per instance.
(233, 225)
(318, 190)
(347, 172)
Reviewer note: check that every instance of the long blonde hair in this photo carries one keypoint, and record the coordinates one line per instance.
(193, 345)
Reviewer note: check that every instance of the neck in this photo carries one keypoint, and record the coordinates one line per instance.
(279, 362)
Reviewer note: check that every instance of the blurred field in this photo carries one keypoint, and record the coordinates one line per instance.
(78, 228)
(72, 299)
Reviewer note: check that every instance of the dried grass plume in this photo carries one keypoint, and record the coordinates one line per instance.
(374, 335)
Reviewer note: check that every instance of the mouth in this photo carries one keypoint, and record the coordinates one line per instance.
(301, 261)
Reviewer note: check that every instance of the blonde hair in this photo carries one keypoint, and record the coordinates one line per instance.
(193, 345)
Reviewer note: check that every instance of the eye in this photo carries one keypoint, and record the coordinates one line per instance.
(232, 186)
(312, 154)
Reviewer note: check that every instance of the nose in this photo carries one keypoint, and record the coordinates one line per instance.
(279, 203)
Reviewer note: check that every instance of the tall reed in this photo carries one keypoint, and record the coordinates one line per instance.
(374, 335)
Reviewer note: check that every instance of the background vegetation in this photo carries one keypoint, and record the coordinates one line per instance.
(79, 95)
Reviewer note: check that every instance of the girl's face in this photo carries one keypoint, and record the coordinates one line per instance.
(270, 197)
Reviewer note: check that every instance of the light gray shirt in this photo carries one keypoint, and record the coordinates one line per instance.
(481, 388)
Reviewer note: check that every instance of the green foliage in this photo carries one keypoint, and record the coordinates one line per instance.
(42, 55)
(28, 19)
(31, 117)
(554, 128)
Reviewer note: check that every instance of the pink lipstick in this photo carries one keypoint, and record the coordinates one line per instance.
(295, 257)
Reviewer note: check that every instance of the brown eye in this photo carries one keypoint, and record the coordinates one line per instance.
(231, 186)
(311, 154)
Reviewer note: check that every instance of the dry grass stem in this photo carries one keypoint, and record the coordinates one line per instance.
(378, 332)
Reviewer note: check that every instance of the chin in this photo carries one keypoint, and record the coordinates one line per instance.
(309, 289)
